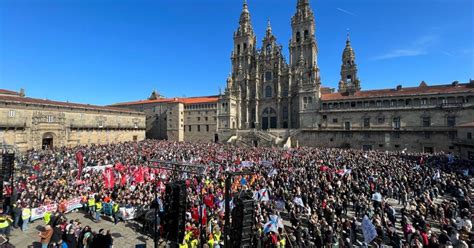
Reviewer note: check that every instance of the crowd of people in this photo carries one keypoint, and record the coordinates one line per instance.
(305, 197)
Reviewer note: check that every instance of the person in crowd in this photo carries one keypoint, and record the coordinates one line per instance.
(322, 194)
(45, 236)
(5, 223)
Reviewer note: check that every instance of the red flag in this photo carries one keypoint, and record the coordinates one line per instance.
(80, 163)
(119, 167)
(109, 178)
(123, 180)
(138, 175)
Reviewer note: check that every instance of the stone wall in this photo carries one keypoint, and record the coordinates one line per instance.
(24, 125)
(377, 129)
(200, 125)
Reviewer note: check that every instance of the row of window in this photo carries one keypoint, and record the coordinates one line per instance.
(396, 135)
(238, 47)
(395, 103)
(199, 112)
(201, 106)
(305, 35)
(426, 121)
(198, 128)
(199, 118)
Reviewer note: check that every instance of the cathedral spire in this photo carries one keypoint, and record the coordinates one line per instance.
(245, 15)
(302, 3)
(269, 28)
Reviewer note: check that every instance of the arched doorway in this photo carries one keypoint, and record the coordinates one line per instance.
(47, 141)
(269, 118)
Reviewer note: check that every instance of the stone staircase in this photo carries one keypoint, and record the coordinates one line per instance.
(264, 138)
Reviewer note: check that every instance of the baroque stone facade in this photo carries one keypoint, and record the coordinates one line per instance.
(263, 92)
(269, 101)
(30, 123)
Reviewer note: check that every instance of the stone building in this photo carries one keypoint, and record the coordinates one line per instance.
(465, 143)
(31, 123)
(271, 102)
(180, 119)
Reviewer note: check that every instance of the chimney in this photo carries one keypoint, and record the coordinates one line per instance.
(22, 92)
(399, 87)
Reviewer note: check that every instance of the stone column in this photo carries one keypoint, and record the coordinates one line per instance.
(257, 102)
(247, 114)
(257, 114)
(239, 110)
(279, 119)
(289, 111)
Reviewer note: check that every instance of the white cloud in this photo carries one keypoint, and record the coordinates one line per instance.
(347, 12)
(400, 53)
(418, 47)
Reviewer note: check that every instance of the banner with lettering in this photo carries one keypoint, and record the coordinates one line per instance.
(39, 212)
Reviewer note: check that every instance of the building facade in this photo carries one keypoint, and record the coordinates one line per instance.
(180, 119)
(269, 101)
(264, 92)
(30, 123)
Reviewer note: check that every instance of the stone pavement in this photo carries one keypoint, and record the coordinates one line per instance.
(124, 234)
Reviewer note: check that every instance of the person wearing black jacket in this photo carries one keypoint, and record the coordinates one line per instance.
(16, 211)
(70, 239)
(100, 240)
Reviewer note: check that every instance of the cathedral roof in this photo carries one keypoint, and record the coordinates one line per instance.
(399, 91)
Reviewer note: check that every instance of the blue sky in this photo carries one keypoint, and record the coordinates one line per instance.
(104, 51)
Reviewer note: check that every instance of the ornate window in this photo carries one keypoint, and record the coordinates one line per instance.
(268, 91)
(307, 101)
(298, 36)
(238, 49)
(306, 34)
(396, 122)
(349, 79)
(347, 125)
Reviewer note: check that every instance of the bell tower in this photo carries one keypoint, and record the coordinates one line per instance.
(349, 82)
(305, 78)
(244, 42)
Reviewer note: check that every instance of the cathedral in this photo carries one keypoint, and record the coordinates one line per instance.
(264, 91)
(269, 101)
